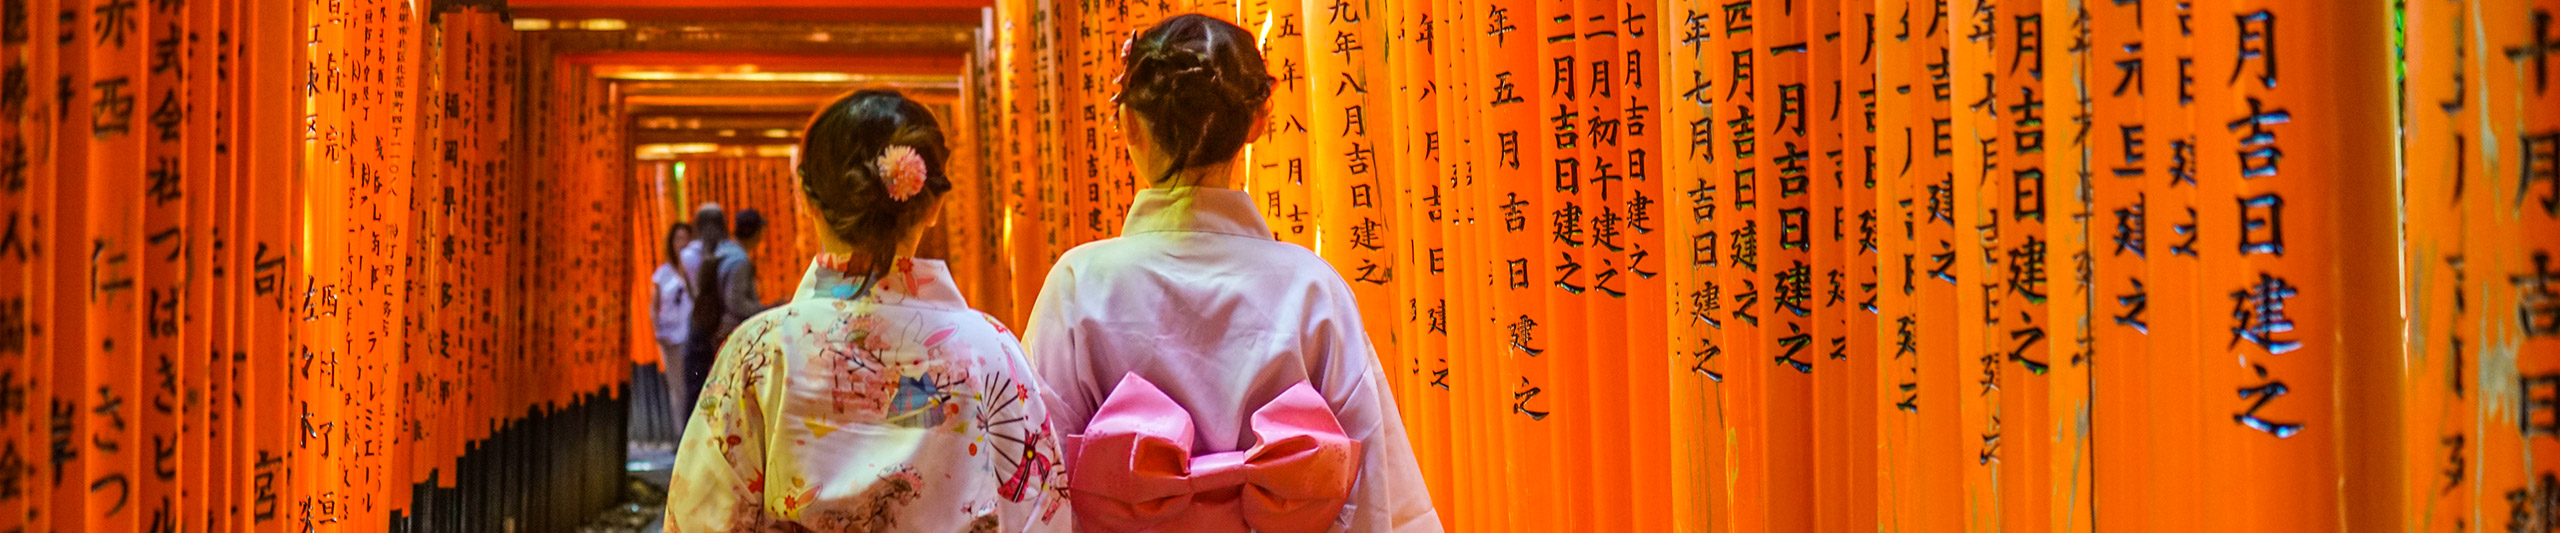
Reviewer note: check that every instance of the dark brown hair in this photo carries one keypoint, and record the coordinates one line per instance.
(1198, 81)
(850, 196)
(675, 248)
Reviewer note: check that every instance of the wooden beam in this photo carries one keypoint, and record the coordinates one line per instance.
(520, 5)
(884, 63)
(743, 137)
(714, 101)
(960, 12)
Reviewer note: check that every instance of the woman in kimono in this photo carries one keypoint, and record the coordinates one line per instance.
(876, 400)
(1196, 303)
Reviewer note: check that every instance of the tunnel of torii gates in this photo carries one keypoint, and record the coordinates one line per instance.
(1905, 265)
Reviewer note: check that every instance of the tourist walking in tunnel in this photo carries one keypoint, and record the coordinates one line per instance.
(703, 334)
(671, 310)
(1197, 315)
(877, 399)
(739, 297)
(725, 285)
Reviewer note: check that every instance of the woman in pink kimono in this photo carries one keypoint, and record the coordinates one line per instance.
(1197, 335)
(876, 400)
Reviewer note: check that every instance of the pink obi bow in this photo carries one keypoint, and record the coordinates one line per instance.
(1132, 469)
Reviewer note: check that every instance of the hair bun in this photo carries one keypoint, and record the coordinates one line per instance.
(1197, 81)
(1199, 87)
(1176, 58)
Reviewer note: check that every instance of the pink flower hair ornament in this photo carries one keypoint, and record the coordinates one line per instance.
(901, 170)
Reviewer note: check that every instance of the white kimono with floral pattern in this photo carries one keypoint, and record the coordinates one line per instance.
(904, 411)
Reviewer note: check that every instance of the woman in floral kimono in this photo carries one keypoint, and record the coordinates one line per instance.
(876, 400)
(1196, 310)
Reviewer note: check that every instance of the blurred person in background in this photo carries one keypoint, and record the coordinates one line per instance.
(671, 310)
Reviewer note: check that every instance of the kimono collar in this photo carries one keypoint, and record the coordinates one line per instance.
(1196, 209)
(911, 282)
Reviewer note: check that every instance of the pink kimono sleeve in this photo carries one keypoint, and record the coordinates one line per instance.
(1390, 495)
(1049, 339)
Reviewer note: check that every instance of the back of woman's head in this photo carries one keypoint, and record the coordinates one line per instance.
(1199, 82)
(871, 164)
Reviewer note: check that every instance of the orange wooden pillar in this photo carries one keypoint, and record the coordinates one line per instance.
(1834, 398)
(1774, 192)
(1978, 223)
(1943, 386)
(227, 270)
(1493, 369)
(1085, 69)
(111, 399)
(1692, 200)
(1897, 383)
(1096, 217)
(1277, 165)
(69, 323)
(174, 192)
(1740, 283)
(1474, 355)
(2065, 89)
(2027, 333)
(438, 232)
(2521, 283)
(2219, 175)
(2171, 420)
(2293, 193)
(2439, 391)
(2017, 261)
(276, 263)
(1862, 222)
(328, 148)
(1400, 139)
(1439, 205)
(394, 40)
(26, 182)
(1350, 117)
(204, 357)
(1018, 91)
(1595, 84)
(1471, 350)
(1521, 366)
(1557, 273)
(2507, 265)
(1422, 258)
(1027, 75)
(46, 120)
(1650, 363)
(2123, 148)
(1923, 439)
